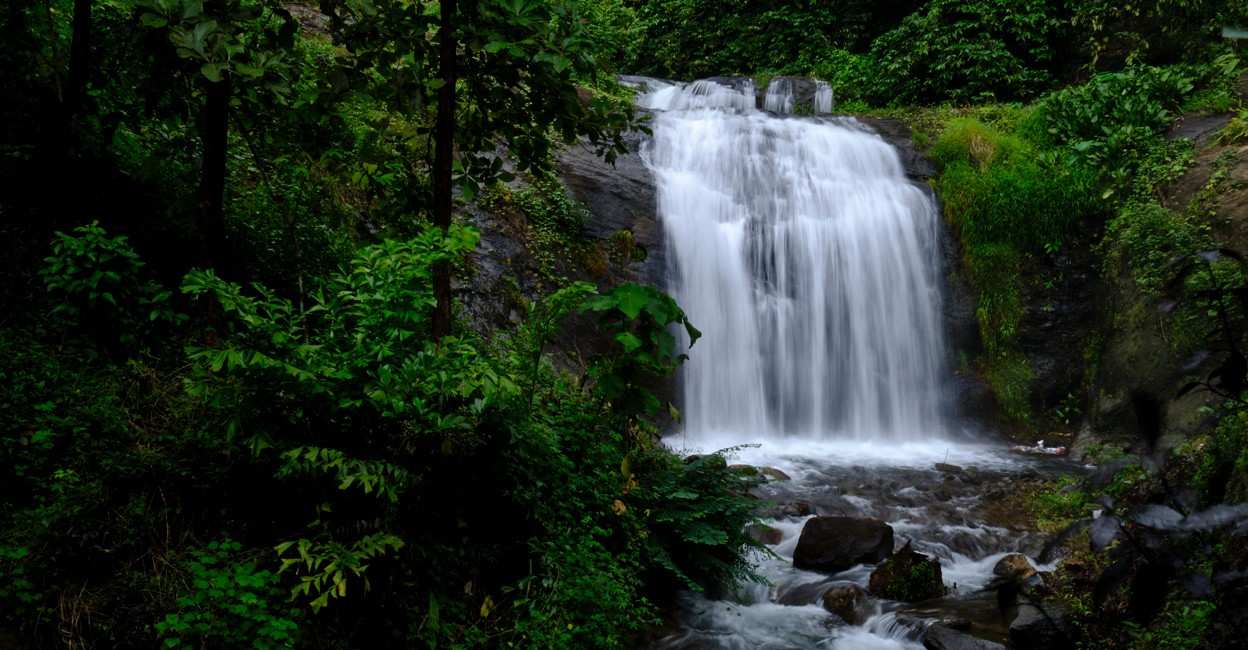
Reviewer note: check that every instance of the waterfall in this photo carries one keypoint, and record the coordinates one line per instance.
(779, 98)
(825, 99)
(810, 263)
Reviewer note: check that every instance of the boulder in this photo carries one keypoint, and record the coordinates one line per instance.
(908, 576)
(1014, 567)
(848, 601)
(1040, 627)
(764, 534)
(838, 543)
(774, 474)
(941, 637)
(948, 468)
(797, 509)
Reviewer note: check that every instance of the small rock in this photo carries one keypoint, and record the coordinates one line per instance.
(908, 576)
(957, 623)
(764, 534)
(943, 637)
(847, 601)
(806, 593)
(949, 469)
(838, 543)
(797, 509)
(1014, 567)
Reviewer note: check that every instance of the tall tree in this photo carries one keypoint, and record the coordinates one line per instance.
(235, 49)
(510, 76)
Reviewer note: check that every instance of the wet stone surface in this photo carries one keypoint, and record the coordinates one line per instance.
(966, 515)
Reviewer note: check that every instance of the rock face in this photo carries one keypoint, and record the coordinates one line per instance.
(1041, 627)
(847, 601)
(620, 198)
(834, 544)
(908, 576)
(941, 637)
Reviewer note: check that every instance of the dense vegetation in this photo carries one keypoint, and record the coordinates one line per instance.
(241, 407)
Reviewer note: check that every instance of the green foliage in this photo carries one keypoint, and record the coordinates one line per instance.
(967, 51)
(913, 581)
(97, 281)
(638, 320)
(1221, 472)
(696, 515)
(1007, 201)
(1146, 238)
(700, 38)
(1182, 625)
(230, 603)
(1057, 505)
(1151, 30)
(1112, 122)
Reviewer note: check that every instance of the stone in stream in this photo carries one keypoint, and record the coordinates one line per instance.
(908, 576)
(948, 469)
(1014, 567)
(941, 637)
(847, 601)
(834, 544)
(1040, 627)
(764, 534)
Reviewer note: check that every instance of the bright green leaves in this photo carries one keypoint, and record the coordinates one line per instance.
(326, 568)
(229, 602)
(638, 319)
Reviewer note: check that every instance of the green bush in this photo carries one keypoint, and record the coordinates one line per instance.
(952, 50)
(1222, 470)
(1114, 121)
(96, 281)
(230, 603)
(1147, 237)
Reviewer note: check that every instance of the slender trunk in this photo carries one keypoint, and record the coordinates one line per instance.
(214, 129)
(79, 55)
(444, 151)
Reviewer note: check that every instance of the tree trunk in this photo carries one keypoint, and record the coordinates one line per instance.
(214, 129)
(444, 151)
(79, 55)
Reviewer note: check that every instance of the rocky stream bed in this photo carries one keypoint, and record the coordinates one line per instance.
(845, 522)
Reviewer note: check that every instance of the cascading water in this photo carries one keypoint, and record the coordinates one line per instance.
(825, 99)
(809, 262)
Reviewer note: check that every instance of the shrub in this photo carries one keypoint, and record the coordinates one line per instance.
(1146, 237)
(231, 603)
(96, 281)
(966, 51)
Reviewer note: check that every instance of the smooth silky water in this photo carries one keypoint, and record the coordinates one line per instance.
(811, 264)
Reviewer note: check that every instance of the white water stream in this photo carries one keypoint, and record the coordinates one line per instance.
(811, 264)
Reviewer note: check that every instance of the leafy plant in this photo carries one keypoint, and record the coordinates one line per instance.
(97, 281)
(231, 603)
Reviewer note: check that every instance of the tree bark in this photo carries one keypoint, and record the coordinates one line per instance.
(79, 56)
(214, 129)
(443, 160)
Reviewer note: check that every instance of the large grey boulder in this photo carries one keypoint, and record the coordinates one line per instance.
(834, 544)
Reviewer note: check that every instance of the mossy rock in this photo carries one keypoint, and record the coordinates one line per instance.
(908, 576)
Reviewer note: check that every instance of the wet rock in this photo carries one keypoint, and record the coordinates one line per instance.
(1014, 567)
(943, 637)
(948, 468)
(908, 576)
(838, 543)
(1040, 627)
(847, 601)
(801, 594)
(797, 509)
(764, 534)
(774, 474)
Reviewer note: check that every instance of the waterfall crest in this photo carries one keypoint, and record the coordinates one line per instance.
(810, 263)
